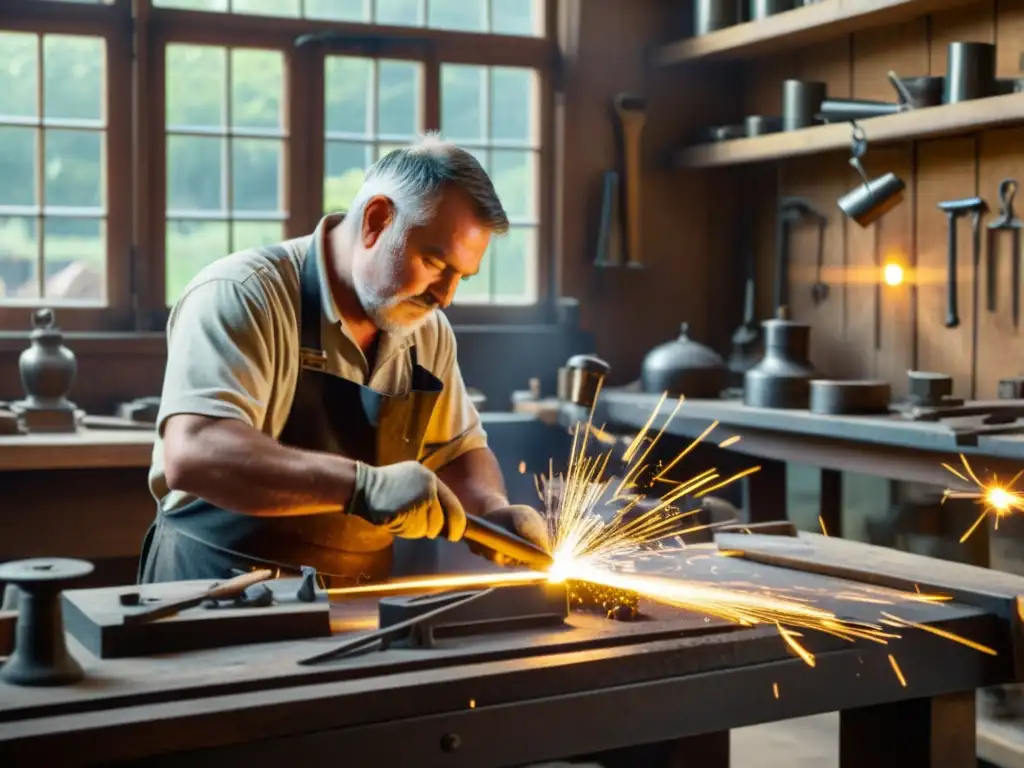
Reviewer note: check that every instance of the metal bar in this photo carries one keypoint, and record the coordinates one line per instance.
(226, 132)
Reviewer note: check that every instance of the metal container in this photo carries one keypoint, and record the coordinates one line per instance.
(47, 368)
(713, 15)
(580, 380)
(923, 91)
(801, 103)
(762, 125)
(845, 110)
(970, 72)
(783, 377)
(866, 203)
(684, 367)
(762, 9)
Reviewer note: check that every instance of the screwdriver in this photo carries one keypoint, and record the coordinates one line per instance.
(494, 537)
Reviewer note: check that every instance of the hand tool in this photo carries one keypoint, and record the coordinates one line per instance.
(791, 210)
(609, 232)
(632, 112)
(1007, 221)
(231, 588)
(954, 209)
(487, 534)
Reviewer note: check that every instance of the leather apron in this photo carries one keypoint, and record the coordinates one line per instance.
(328, 414)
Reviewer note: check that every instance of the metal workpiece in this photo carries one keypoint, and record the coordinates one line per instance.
(494, 537)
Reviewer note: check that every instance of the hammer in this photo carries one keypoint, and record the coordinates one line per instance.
(495, 537)
(954, 209)
(632, 113)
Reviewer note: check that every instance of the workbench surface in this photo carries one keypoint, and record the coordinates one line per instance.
(595, 684)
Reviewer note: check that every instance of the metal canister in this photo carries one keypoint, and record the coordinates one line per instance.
(801, 103)
(762, 9)
(970, 72)
(712, 15)
(581, 378)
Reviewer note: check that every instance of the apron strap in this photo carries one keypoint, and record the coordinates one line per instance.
(311, 301)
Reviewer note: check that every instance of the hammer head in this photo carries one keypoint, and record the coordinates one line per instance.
(965, 205)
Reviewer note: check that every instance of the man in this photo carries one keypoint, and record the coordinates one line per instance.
(313, 411)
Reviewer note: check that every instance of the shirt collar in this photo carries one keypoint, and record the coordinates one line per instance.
(389, 343)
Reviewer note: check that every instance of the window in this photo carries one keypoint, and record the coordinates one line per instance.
(141, 140)
(225, 151)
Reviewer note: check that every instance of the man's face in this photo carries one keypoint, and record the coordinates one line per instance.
(401, 277)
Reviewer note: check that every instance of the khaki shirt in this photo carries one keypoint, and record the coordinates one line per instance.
(233, 353)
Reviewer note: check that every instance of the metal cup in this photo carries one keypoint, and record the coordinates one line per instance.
(712, 15)
(801, 103)
(762, 9)
(869, 201)
(970, 72)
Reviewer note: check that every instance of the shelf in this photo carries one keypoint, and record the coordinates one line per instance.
(932, 122)
(810, 24)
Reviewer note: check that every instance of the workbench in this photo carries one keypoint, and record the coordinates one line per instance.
(887, 446)
(592, 686)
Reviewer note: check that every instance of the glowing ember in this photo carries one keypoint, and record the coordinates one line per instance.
(997, 500)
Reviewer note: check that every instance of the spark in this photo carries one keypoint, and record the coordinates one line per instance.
(821, 522)
(996, 499)
(439, 583)
(897, 670)
(522, 467)
(775, 689)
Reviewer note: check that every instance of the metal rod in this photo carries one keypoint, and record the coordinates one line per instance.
(495, 537)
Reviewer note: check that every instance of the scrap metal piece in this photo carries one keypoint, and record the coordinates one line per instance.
(503, 608)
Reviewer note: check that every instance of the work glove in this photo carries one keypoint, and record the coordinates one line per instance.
(520, 519)
(409, 500)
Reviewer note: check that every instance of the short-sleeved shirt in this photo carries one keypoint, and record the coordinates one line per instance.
(233, 353)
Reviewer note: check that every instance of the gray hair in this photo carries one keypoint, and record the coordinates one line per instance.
(413, 178)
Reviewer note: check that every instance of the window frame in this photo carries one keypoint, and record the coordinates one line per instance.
(113, 23)
(304, 68)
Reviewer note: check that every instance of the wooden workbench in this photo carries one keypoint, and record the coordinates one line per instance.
(513, 698)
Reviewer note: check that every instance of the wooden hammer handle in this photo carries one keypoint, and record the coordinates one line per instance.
(632, 127)
(220, 591)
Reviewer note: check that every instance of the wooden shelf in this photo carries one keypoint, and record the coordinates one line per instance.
(810, 24)
(948, 120)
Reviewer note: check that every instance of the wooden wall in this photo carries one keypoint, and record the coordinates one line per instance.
(864, 328)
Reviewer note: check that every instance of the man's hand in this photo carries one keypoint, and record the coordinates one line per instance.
(409, 500)
(524, 521)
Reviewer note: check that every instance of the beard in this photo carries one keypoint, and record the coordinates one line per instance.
(377, 290)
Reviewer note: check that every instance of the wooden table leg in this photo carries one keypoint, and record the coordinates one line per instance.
(918, 733)
(764, 497)
(830, 502)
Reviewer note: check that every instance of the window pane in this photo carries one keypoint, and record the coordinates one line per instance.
(191, 245)
(73, 169)
(339, 10)
(19, 258)
(383, 149)
(195, 173)
(516, 17)
(515, 267)
(196, 77)
(257, 85)
(406, 13)
(398, 98)
(73, 77)
(514, 105)
(193, 5)
(465, 15)
(515, 179)
(256, 174)
(18, 166)
(74, 259)
(344, 167)
(348, 91)
(464, 102)
(19, 73)
(253, 234)
(266, 7)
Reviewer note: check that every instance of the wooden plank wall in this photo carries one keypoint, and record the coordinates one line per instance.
(865, 328)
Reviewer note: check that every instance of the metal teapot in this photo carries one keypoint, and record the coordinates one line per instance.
(684, 367)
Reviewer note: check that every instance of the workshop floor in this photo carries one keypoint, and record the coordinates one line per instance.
(806, 742)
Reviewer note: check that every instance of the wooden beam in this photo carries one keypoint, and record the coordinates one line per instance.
(931, 122)
(801, 26)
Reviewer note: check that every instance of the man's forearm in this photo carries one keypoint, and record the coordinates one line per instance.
(476, 479)
(235, 467)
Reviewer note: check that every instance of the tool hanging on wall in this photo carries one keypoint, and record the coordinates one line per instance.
(609, 233)
(954, 209)
(871, 199)
(632, 113)
(1007, 221)
(793, 210)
